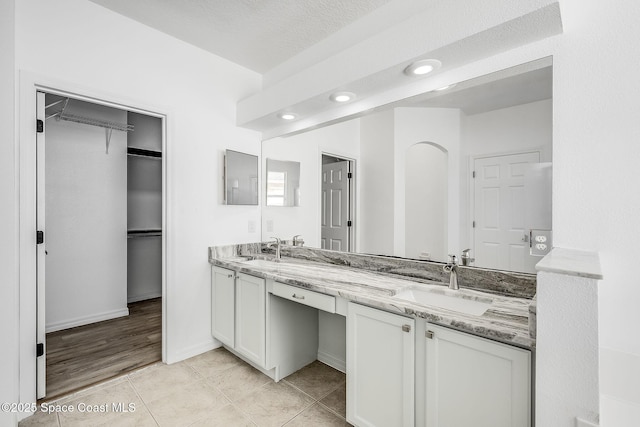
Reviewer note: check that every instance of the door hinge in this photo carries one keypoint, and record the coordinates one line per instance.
(406, 328)
(473, 174)
(349, 175)
(474, 224)
(349, 223)
(39, 349)
(39, 237)
(39, 126)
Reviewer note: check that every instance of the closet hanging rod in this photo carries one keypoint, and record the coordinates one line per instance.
(124, 127)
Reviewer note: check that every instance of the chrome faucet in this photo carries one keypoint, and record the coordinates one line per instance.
(466, 258)
(452, 267)
(277, 246)
(297, 240)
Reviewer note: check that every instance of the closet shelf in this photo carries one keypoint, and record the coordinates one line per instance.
(141, 152)
(151, 232)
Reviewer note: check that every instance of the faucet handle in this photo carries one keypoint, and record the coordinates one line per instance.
(297, 240)
(452, 259)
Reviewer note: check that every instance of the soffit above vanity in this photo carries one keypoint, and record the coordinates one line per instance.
(479, 30)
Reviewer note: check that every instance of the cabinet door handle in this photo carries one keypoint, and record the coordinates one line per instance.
(429, 334)
(406, 328)
(298, 296)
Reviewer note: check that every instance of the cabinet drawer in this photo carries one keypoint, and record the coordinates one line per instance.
(306, 297)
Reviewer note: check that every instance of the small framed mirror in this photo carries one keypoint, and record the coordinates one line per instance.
(283, 183)
(240, 178)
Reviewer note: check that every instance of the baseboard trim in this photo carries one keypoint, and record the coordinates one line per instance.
(86, 320)
(143, 297)
(333, 361)
(191, 351)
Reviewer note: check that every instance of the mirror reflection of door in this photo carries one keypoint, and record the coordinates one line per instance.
(336, 206)
(501, 195)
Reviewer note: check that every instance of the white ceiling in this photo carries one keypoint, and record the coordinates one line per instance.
(257, 34)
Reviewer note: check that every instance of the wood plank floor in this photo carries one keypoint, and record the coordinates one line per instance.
(89, 354)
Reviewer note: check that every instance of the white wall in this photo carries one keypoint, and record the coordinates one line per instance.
(595, 156)
(376, 184)
(8, 216)
(307, 148)
(86, 219)
(108, 56)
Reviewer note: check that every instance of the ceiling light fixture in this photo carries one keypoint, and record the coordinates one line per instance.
(287, 116)
(422, 67)
(342, 96)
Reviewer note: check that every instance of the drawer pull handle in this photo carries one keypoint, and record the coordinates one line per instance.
(298, 296)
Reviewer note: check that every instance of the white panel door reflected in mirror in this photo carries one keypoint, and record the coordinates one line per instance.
(283, 183)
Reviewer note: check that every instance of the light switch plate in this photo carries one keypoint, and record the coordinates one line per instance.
(269, 225)
(252, 226)
(540, 242)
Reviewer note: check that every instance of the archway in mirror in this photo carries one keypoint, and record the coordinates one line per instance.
(426, 193)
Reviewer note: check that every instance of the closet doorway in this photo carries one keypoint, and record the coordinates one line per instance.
(100, 178)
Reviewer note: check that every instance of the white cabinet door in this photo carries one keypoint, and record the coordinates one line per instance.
(223, 305)
(380, 367)
(250, 318)
(475, 382)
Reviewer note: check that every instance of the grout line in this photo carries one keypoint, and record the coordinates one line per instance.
(142, 400)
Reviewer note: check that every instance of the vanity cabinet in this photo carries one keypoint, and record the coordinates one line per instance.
(380, 367)
(238, 313)
(250, 318)
(473, 381)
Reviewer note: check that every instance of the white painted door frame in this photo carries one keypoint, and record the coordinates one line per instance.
(30, 84)
(471, 187)
(352, 197)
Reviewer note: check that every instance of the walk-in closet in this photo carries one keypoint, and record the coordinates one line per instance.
(100, 220)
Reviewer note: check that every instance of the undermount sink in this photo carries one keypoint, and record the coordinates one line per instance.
(450, 300)
(261, 263)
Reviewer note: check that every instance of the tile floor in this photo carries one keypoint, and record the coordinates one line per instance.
(212, 389)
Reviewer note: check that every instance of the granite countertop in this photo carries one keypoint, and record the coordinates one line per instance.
(507, 320)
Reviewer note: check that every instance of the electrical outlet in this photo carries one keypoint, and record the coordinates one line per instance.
(541, 242)
(269, 225)
(251, 226)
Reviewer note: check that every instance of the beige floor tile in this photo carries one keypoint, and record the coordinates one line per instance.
(317, 415)
(274, 404)
(229, 416)
(213, 362)
(239, 381)
(111, 405)
(316, 379)
(188, 405)
(160, 380)
(337, 400)
(40, 419)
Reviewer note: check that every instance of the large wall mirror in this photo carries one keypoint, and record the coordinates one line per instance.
(466, 167)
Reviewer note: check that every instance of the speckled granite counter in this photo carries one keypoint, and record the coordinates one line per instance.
(373, 280)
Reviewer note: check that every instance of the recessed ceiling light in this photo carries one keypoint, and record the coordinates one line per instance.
(287, 116)
(445, 87)
(422, 67)
(342, 96)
